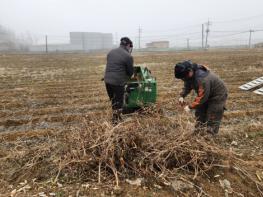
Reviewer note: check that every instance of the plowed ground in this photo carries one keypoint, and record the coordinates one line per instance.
(40, 94)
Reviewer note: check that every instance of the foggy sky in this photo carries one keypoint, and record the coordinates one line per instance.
(158, 18)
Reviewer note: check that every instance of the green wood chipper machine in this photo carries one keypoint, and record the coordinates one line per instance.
(140, 90)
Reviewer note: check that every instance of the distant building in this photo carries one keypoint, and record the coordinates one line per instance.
(79, 41)
(88, 41)
(5, 46)
(158, 44)
(259, 45)
(55, 48)
(6, 41)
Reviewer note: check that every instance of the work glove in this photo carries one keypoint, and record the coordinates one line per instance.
(187, 109)
(181, 100)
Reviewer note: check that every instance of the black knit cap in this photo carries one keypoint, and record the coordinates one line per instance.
(181, 69)
(125, 41)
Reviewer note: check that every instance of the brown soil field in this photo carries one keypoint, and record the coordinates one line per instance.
(44, 98)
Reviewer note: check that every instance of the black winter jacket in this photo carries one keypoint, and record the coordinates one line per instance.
(119, 66)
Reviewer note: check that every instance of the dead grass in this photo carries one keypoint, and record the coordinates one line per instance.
(152, 146)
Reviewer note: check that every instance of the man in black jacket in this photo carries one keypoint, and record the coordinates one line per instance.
(118, 70)
(211, 94)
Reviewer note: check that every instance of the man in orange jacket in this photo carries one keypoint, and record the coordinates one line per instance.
(211, 91)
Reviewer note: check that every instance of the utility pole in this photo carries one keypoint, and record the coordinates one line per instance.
(82, 41)
(46, 44)
(140, 31)
(250, 34)
(207, 31)
(202, 36)
(116, 38)
(188, 45)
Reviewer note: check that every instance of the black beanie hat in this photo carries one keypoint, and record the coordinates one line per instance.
(125, 41)
(181, 69)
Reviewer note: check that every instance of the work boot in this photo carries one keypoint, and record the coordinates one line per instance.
(200, 128)
(116, 117)
(213, 130)
(213, 127)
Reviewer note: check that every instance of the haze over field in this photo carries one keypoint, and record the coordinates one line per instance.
(160, 20)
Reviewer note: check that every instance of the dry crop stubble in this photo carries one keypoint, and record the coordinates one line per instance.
(62, 107)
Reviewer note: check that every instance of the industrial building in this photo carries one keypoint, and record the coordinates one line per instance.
(79, 41)
(158, 44)
(6, 40)
(259, 45)
(55, 48)
(88, 41)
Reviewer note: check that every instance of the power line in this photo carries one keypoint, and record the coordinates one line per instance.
(224, 31)
(174, 29)
(228, 35)
(239, 19)
(216, 31)
(198, 25)
(213, 35)
(171, 35)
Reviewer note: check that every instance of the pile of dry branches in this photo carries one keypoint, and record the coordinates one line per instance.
(143, 146)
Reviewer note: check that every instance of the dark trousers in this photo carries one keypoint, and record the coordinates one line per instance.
(209, 116)
(116, 95)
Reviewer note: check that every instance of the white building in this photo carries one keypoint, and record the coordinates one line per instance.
(91, 40)
(79, 41)
(158, 44)
(55, 48)
(6, 41)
